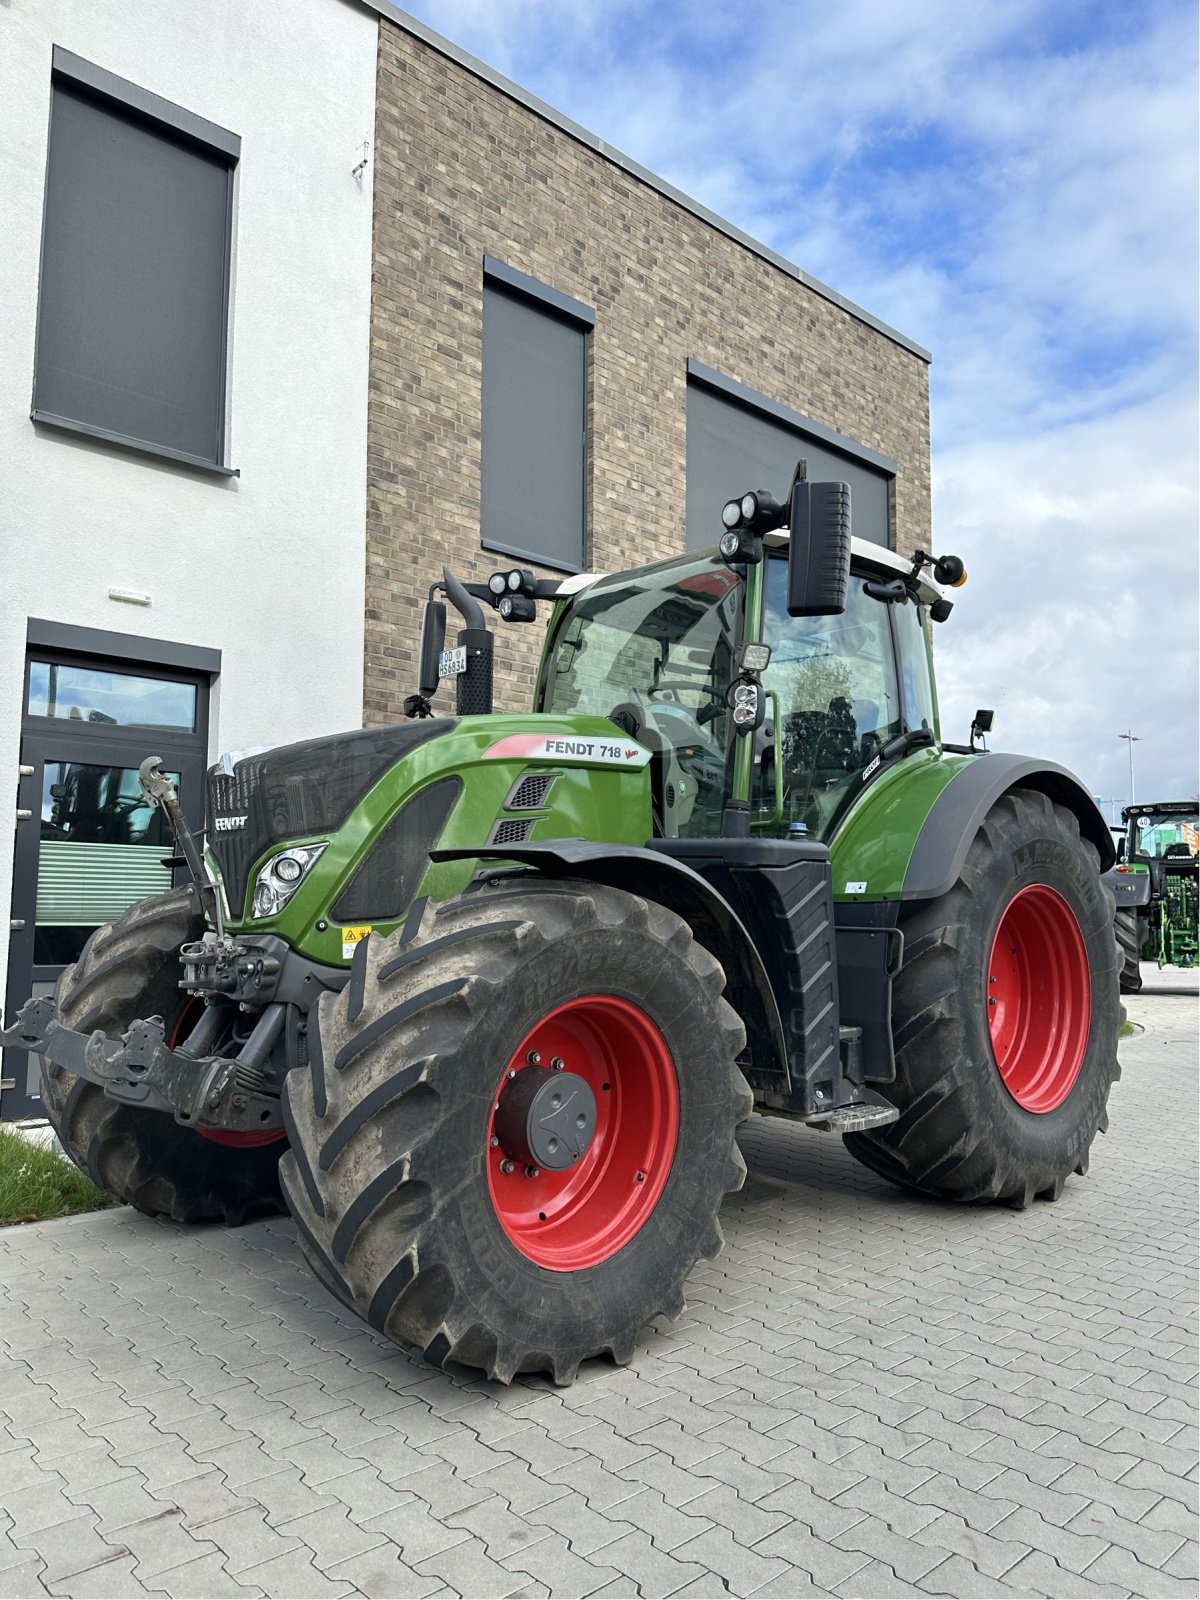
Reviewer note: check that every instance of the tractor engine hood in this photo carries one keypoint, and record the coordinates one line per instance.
(296, 790)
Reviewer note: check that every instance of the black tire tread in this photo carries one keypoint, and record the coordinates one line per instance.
(379, 1088)
(935, 1147)
(142, 1158)
(1127, 926)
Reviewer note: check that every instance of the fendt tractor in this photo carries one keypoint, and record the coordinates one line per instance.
(488, 995)
(1154, 883)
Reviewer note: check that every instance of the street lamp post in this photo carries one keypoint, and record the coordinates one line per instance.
(1133, 738)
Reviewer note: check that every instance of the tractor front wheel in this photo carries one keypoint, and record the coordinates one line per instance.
(127, 970)
(1130, 938)
(518, 1127)
(1005, 1016)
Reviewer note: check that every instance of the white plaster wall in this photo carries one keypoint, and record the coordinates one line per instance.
(268, 568)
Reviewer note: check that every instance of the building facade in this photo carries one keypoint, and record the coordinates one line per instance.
(183, 387)
(573, 366)
(303, 303)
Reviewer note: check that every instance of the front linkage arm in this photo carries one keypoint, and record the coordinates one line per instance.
(141, 1069)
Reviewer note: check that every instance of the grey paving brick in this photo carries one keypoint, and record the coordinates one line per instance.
(414, 1529)
(381, 1574)
(1153, 1546)
(876, 1579)
(1185, 1563)
(1074, 1551)
(654, 1571)
(1039, 1574)
(802, 1550)
(22, 1581)
(876, 1541)
(203, 1498)
(747, 1522)
(991, 1554)
(524, 1490)
(552, 1561)
(960, 1579)
(295, 1576)
(330, 1535)
(70, 1547)
(468, 1569)
(902, 1515)
(585, 1529)
(247, 1540)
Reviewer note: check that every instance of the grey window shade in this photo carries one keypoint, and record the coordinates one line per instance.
(731, 448)
(132, 308)
(534, 421)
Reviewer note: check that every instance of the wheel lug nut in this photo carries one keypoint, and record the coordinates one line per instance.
(534, 1059)
(507, 1166)
(557, 1063)
(511, 1073)
(533, 1172)
(493, 1141)
(640, 1177)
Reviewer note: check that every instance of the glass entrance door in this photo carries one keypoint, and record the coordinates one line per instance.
(88, 846)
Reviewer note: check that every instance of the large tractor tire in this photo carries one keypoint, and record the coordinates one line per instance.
(1005, 1014)
(127, 970)
(518, 1127)
(1130, 934)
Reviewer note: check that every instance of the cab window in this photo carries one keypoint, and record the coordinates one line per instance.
(839, 703)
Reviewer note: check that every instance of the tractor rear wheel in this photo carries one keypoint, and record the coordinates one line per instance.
(127, 970)
(1130, 936)
(1005, 1016)
(518, 1126)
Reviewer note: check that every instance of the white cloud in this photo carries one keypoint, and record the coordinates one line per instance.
(1013, 185)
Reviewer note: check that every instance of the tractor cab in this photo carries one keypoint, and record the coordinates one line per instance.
(844, 694)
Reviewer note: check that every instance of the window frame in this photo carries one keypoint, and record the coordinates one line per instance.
(506, 280)
(138, 105)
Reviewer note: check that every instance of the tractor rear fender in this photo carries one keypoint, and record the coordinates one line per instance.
(955, 817)
(713, 922)
(1129, 889)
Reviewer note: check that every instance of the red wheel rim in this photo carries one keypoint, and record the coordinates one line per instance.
(1039, 998)
(574, 1219)
(184, 1023)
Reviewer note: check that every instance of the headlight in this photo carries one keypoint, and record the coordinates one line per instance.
(281, 877)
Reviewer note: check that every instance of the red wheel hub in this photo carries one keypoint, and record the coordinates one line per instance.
(580, 1215)
(184, 1023)
(1039, 998)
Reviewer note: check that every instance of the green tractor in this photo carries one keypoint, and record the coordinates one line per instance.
(487, 996)
(1154, 885)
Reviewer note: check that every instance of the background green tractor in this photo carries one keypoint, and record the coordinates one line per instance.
(1154, 884)
(499, 989)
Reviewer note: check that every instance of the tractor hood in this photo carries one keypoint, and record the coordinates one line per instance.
(296, 790)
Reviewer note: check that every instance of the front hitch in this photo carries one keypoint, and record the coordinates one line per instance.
(141, 1069)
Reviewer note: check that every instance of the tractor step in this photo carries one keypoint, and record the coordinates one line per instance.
(852, 1119)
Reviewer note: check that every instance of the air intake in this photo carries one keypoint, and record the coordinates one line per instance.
(513, 830)
(530, 792)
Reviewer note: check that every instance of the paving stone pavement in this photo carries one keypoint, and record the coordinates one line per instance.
(869, 1394)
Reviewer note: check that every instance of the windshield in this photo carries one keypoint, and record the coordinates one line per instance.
(1168, 836)
(654, 651)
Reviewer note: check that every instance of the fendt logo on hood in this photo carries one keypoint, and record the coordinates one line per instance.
(229, 824)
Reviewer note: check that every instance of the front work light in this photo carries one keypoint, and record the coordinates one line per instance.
(283, 874)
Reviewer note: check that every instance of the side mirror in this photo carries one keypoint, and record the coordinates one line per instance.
(819, 553)
(433, 639)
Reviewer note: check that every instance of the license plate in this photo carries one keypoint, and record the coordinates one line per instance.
(452, 662)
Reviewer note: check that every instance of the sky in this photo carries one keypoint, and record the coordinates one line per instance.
(1012, 184)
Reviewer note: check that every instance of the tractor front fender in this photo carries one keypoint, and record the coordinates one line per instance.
(713, 922)
(1129, 889)
(956, 815)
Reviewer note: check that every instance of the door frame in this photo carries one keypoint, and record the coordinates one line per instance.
(103, 744)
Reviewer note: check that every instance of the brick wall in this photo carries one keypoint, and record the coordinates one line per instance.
(460, 171)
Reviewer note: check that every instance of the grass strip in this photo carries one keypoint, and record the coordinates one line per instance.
(37, 1184)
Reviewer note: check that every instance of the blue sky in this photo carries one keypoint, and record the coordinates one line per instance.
(1013, 184)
